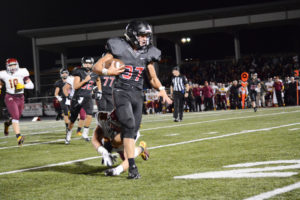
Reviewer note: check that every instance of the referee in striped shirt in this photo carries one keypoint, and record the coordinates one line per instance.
(179, 90)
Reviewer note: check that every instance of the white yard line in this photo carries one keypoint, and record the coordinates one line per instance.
(173, 134)
(294, 129)
(50, 165)
(226, 135)
(267, 195)
(156, 147)
(216, 120)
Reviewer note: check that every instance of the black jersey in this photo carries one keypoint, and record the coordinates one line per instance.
(60, 84)
(135, 61)
(252, 84)
(107, 83)
(87, 88)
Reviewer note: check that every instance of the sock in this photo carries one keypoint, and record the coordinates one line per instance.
(136, 151)
(118, 170)
(18, 135)
(67, 125)
(85, 132)
(79, 129)
(131, 162)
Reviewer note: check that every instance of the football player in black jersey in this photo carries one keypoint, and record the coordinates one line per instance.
(58, 93)
(252, 86)
(84, 82)
(106, 102)
(138, 55)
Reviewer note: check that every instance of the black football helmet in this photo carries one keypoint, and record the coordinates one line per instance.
(87, 60)
(62, 73)
(136, 28)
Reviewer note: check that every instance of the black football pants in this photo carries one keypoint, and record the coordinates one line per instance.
(129, 106)
(178, 98)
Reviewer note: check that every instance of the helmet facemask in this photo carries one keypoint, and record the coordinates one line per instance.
(12, 65)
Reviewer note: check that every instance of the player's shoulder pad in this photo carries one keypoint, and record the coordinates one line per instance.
(116, 45)
(24, 72)
(154, 54)
(77, 72)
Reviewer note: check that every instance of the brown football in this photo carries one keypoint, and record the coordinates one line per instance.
(114, 62)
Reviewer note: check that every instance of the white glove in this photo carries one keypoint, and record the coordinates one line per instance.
(68, 102)
(98, 95)
(59, 98)
(106, 157)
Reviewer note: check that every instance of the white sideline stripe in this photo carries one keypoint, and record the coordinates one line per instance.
(156, 147)
(294, 129)
(37, 133)
(275, 192)
(38, 143)
(171, 126)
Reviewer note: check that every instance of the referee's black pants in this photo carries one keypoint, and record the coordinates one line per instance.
(178, 105)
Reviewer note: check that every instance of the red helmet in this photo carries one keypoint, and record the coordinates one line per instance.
(12, 65)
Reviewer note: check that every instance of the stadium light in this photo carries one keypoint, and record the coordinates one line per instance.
(185, 40)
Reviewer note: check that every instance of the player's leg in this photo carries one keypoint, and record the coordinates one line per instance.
(74, 110)
(101, 104)
(125, 116)
(65, 110)
(7, 122)
(13, 104)
(82, 116)
(87, 105)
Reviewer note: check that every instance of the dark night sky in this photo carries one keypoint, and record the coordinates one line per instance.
(28, 14)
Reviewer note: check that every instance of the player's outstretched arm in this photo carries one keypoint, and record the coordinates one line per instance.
(99, 67)
(155, 82)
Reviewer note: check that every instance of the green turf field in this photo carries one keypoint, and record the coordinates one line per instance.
(46, 168)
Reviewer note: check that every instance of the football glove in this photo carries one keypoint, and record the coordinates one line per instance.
(20, 86)
(59, 98)
(107, 158)
(98, 95)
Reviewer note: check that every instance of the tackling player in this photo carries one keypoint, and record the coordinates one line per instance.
(139, 55)
(16, 80)
(59, 94)
(84, 82)
(107, 139)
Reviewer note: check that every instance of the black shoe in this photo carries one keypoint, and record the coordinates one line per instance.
(255, 109)
(6, 126)
(109, 172)
(133, 173)
(176, 120)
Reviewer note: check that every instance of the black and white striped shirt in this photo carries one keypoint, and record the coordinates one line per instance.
(178, 83)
